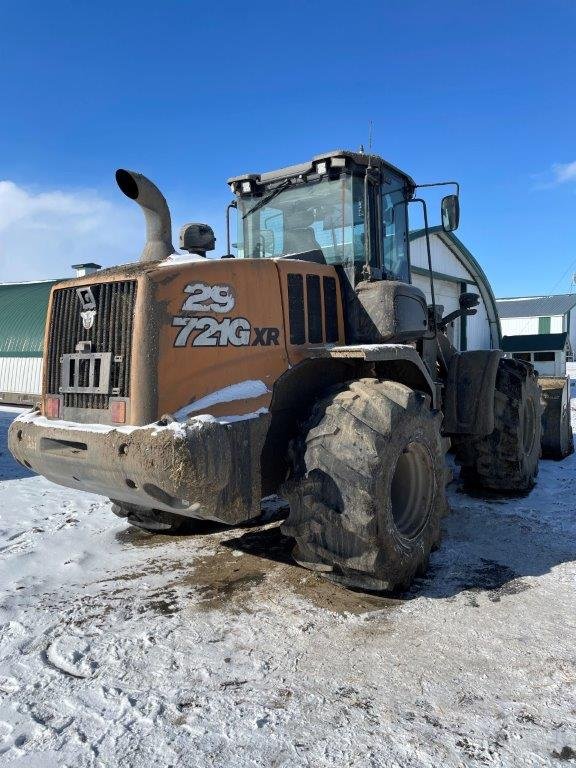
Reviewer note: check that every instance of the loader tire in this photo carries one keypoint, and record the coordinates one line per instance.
(557, 439)
(368, 486)
(153, 520)
(506, 459)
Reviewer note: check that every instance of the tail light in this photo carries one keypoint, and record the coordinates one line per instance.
(118, 411)
(52, 407)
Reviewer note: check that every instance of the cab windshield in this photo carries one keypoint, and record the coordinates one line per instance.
(323, 221)
(312, 219)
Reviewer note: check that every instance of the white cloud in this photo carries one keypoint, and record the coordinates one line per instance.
(559, 173)
(564, 172)
(43, 232)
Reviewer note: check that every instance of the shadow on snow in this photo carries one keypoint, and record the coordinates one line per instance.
(489, 543)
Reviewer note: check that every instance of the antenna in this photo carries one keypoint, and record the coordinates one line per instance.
(367, 270)
(369, 143)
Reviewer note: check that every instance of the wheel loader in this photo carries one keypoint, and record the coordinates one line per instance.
(306, 364)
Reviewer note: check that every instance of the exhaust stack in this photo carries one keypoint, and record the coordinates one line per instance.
(156, 212)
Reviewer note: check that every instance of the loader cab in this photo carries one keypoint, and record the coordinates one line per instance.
(344, 209)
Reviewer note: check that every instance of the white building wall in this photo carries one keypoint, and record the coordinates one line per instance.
(477, 326)
(552, 368)
(443, 260)
(525, 326)
(572, 333)
(447, 292)
(518, 326)
(21, 375)
(556, 367)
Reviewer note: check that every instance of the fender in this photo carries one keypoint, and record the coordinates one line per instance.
(299, 387)
(400, 362)
(469, 395)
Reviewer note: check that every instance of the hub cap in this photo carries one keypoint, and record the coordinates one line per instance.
(529, 426)
(412, 490)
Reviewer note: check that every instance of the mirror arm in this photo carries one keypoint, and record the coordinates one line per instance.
(233, 204)
(454, 316)
(441, 184)
(429, 253)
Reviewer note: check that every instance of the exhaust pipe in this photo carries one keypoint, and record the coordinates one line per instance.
(156, 212)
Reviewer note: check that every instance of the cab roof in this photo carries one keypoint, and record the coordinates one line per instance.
(358, 161)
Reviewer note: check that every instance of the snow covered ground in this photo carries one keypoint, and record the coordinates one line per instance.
(119, 648)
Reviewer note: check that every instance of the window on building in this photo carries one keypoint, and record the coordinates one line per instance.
(526, 356)
(544, 325)
(543, 357)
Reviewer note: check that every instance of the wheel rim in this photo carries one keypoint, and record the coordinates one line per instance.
(529, 426)
(412, 490)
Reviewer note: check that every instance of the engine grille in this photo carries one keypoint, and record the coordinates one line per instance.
(321, 309)
(110, 332)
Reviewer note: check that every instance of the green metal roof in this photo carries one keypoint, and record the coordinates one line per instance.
(535, 342)
(23, 308)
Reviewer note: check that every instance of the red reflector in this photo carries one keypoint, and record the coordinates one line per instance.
(118, 411)
(52, 407)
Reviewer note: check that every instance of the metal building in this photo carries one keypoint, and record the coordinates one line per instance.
(456, 271)
(540, 315)
(23, 309)
(546, 351)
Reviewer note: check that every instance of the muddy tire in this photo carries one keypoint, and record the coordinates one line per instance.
(557, 439)
(507, 459)
(153, 520)
(368, 486)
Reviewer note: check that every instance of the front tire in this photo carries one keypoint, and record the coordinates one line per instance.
(368, 486)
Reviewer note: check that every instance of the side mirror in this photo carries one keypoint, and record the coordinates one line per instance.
(450, 213)
(468, 300)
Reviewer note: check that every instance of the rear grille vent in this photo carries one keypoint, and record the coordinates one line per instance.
(111, 332)
(330, 309)
(314, 306)
(296, 309)
(320, 321)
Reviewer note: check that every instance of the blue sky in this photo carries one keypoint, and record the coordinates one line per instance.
(191, 93)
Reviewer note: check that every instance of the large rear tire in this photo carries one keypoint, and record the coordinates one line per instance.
(152, 520)
(557, 438)
(507, 459)
(368, 485)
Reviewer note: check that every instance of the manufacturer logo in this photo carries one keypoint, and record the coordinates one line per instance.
(88, 318)
(88, 304)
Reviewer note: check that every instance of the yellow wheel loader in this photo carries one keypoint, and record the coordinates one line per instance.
(306, 365)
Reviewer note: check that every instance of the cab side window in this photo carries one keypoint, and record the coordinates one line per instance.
(394, 233)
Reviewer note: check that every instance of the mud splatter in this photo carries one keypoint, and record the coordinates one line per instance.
(260, 559)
